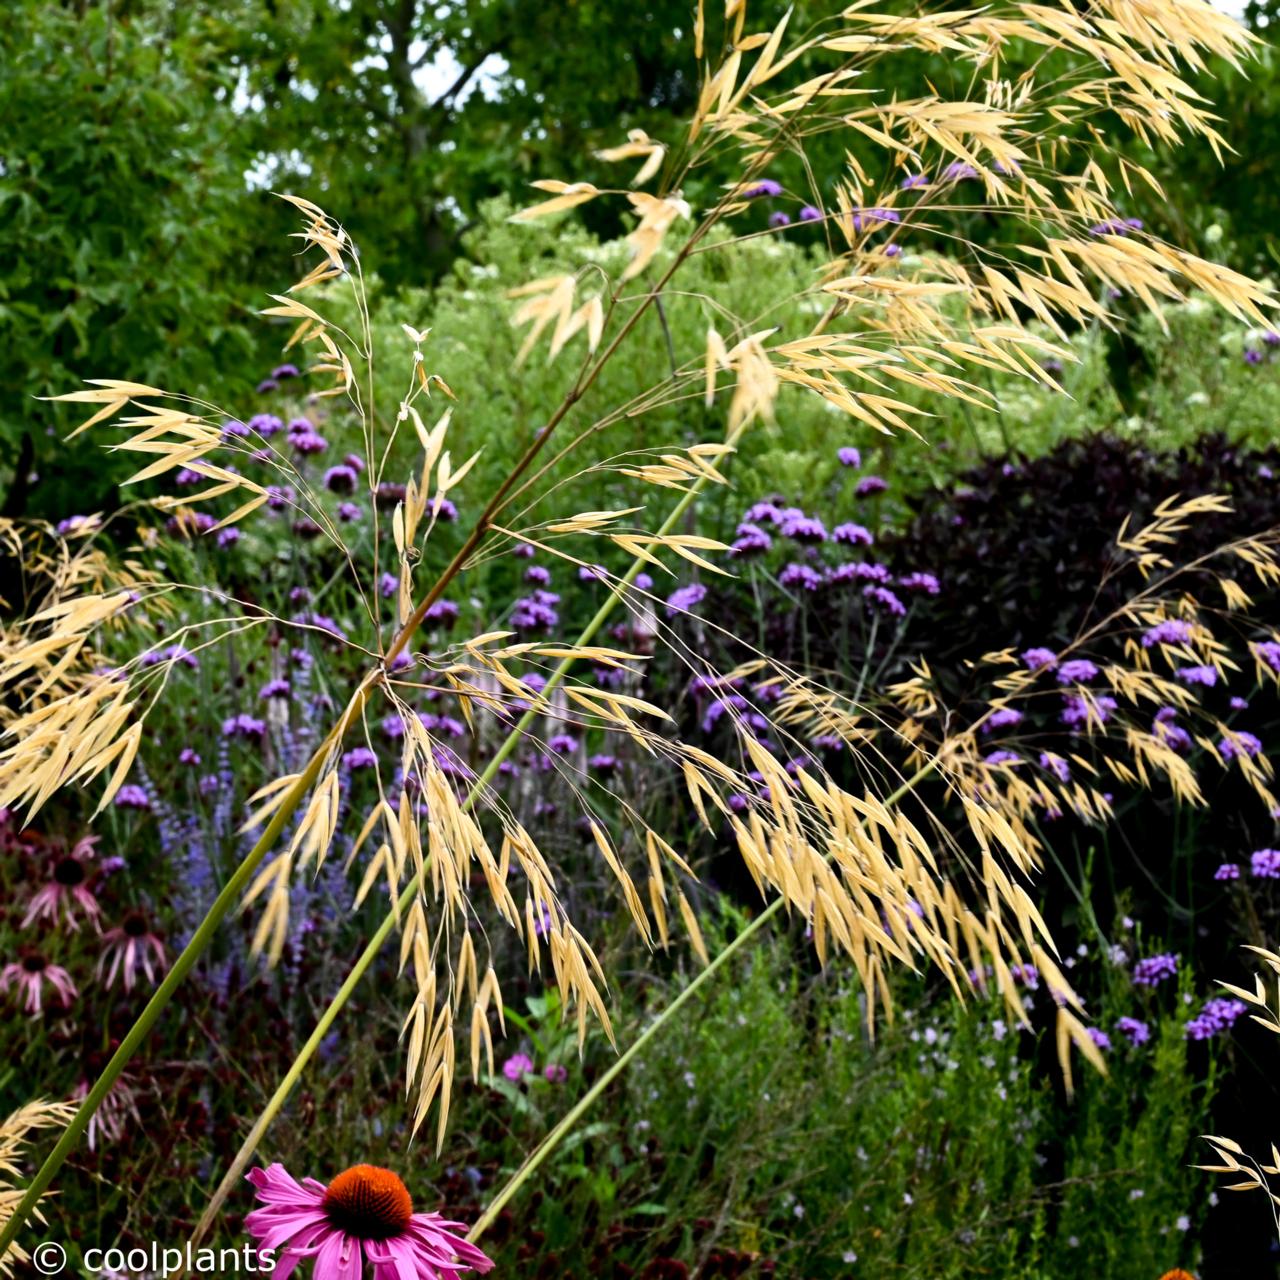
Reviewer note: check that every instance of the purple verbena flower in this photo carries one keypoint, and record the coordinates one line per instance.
(1170, 631)
(1265, 864)
(685, 598)
(801, 576)
(804, 529)
(341, 479)
(885, 599)
(1239, 743)
(1138, 1032)
(917, 581)
(751, 540)
(1076, 671)
(244, 726)
(1002, 718)
(132, 796)
(1217, 1016)
(1038, 659)
(1153, 970)
(1207, 676)
(1055, 765)
(852, 535)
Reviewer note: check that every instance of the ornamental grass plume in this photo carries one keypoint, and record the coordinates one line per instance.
(15, 1131)
(1247, 1172)
(882, 333)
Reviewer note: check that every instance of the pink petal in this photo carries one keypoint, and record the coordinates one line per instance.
(340, 1258)
(276, 1185)
(275, 1226)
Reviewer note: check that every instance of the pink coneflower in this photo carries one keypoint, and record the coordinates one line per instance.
(129, 947)
(30, 974)
(365, 1212)
(67, 891)
(117, 1107)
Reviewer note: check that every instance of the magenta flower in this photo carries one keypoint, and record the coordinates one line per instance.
(365, 1213)
(129, 948)
(30, 974)
(517, 1067)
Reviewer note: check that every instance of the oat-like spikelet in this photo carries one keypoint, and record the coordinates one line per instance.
(884, 331)
(15, 1135)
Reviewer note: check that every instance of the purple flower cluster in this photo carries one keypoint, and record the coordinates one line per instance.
(244, 726)
(1269, 652)
(1004, 718)
(1237, 744)
(801, 576)
(1206, 676)
(1153, 970)
(1217, 1016)
(1116, 227)
(1077, 671)
(536, 612)
(1085, 711)
(1170, 631)
(852, 535)
(1137, 1032)
(1265, 864)
(1038, 659)
(132, 796)
(751, 540)
(685, 599)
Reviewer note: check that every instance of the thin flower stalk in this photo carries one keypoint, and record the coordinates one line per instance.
(566, 1125)
(391, 920)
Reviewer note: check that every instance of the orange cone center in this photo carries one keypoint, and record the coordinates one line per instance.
(368, 1202)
